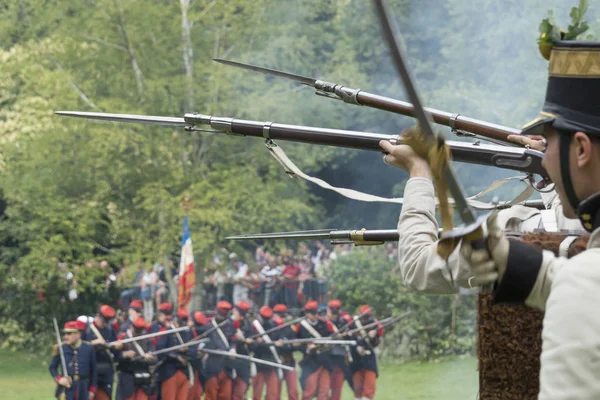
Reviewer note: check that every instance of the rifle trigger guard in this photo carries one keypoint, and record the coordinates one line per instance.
(267, 129)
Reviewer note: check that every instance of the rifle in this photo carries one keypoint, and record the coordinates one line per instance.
(385, 322)
(147, 336)
(292, 322)
(180, 346)
(63, 363)
(459, 124)
(245, 357)
(514, 158)
(363, 237)
(319, 341)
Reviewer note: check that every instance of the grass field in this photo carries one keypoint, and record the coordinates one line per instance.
(26, 377)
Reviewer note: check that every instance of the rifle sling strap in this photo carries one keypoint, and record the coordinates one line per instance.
(294, 171)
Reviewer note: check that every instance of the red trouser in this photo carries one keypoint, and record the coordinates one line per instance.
(337, 381)
(101, 395)
(272, 382)
(239, 387)
(195, 392)
(317, 383)
(364, 383)
(175, 388)
(291, 382)
(218, 387)
(138, 395)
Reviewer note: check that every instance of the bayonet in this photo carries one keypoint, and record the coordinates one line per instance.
(513, 158)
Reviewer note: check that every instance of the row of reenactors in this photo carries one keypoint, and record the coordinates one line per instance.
(190, 372)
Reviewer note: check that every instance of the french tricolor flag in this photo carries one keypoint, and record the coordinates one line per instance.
(187, 274)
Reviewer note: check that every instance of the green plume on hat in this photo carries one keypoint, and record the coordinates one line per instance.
(550, 32)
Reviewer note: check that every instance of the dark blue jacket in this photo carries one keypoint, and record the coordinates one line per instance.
(81, 367)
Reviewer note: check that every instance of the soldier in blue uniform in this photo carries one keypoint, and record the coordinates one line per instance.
(199, 326)
(79, 382)
(266, 375)
(339, 354)
(316, 364)
(243, 368)
(172, 372)
(218, 382)
(364, 364)
(99, 333)
(134, 369)
(286, 352)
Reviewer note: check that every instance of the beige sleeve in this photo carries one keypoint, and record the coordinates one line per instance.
(421, 267)
(570, 360)
(538, 296)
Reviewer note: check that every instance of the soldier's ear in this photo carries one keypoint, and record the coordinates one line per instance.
(585, 149)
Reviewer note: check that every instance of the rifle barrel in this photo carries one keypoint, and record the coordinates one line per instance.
(148, 336)
(245, 357)
(461, 125)
(292, 322)
(180, 346)
(513, 158)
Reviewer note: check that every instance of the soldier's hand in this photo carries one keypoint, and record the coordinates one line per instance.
(311, 346)
(535, 142)
(91, 395)
(148, 356)
(65, 381)
(118, 346)
(239, 335)
(129, 353)
(183, 350)
(279, 343)
(488, 264)
(260, 340)
(372, 333)
(249, 341)
(404, 157)
(360, 350)
(98, 342)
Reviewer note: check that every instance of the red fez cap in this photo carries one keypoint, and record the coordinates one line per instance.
(311, 306)
(200, 318)
(182, 314)
(137, 305)
(243, 306)
(266, 312)
(366, 310)
(71, 327)
(334, 304)
(166, 308)
(280, 308)
(224, 307)
(107, 312)
(139, 323)
(80, 325)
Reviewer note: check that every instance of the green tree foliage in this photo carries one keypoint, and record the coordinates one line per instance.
(438, 326)
(71, 189)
